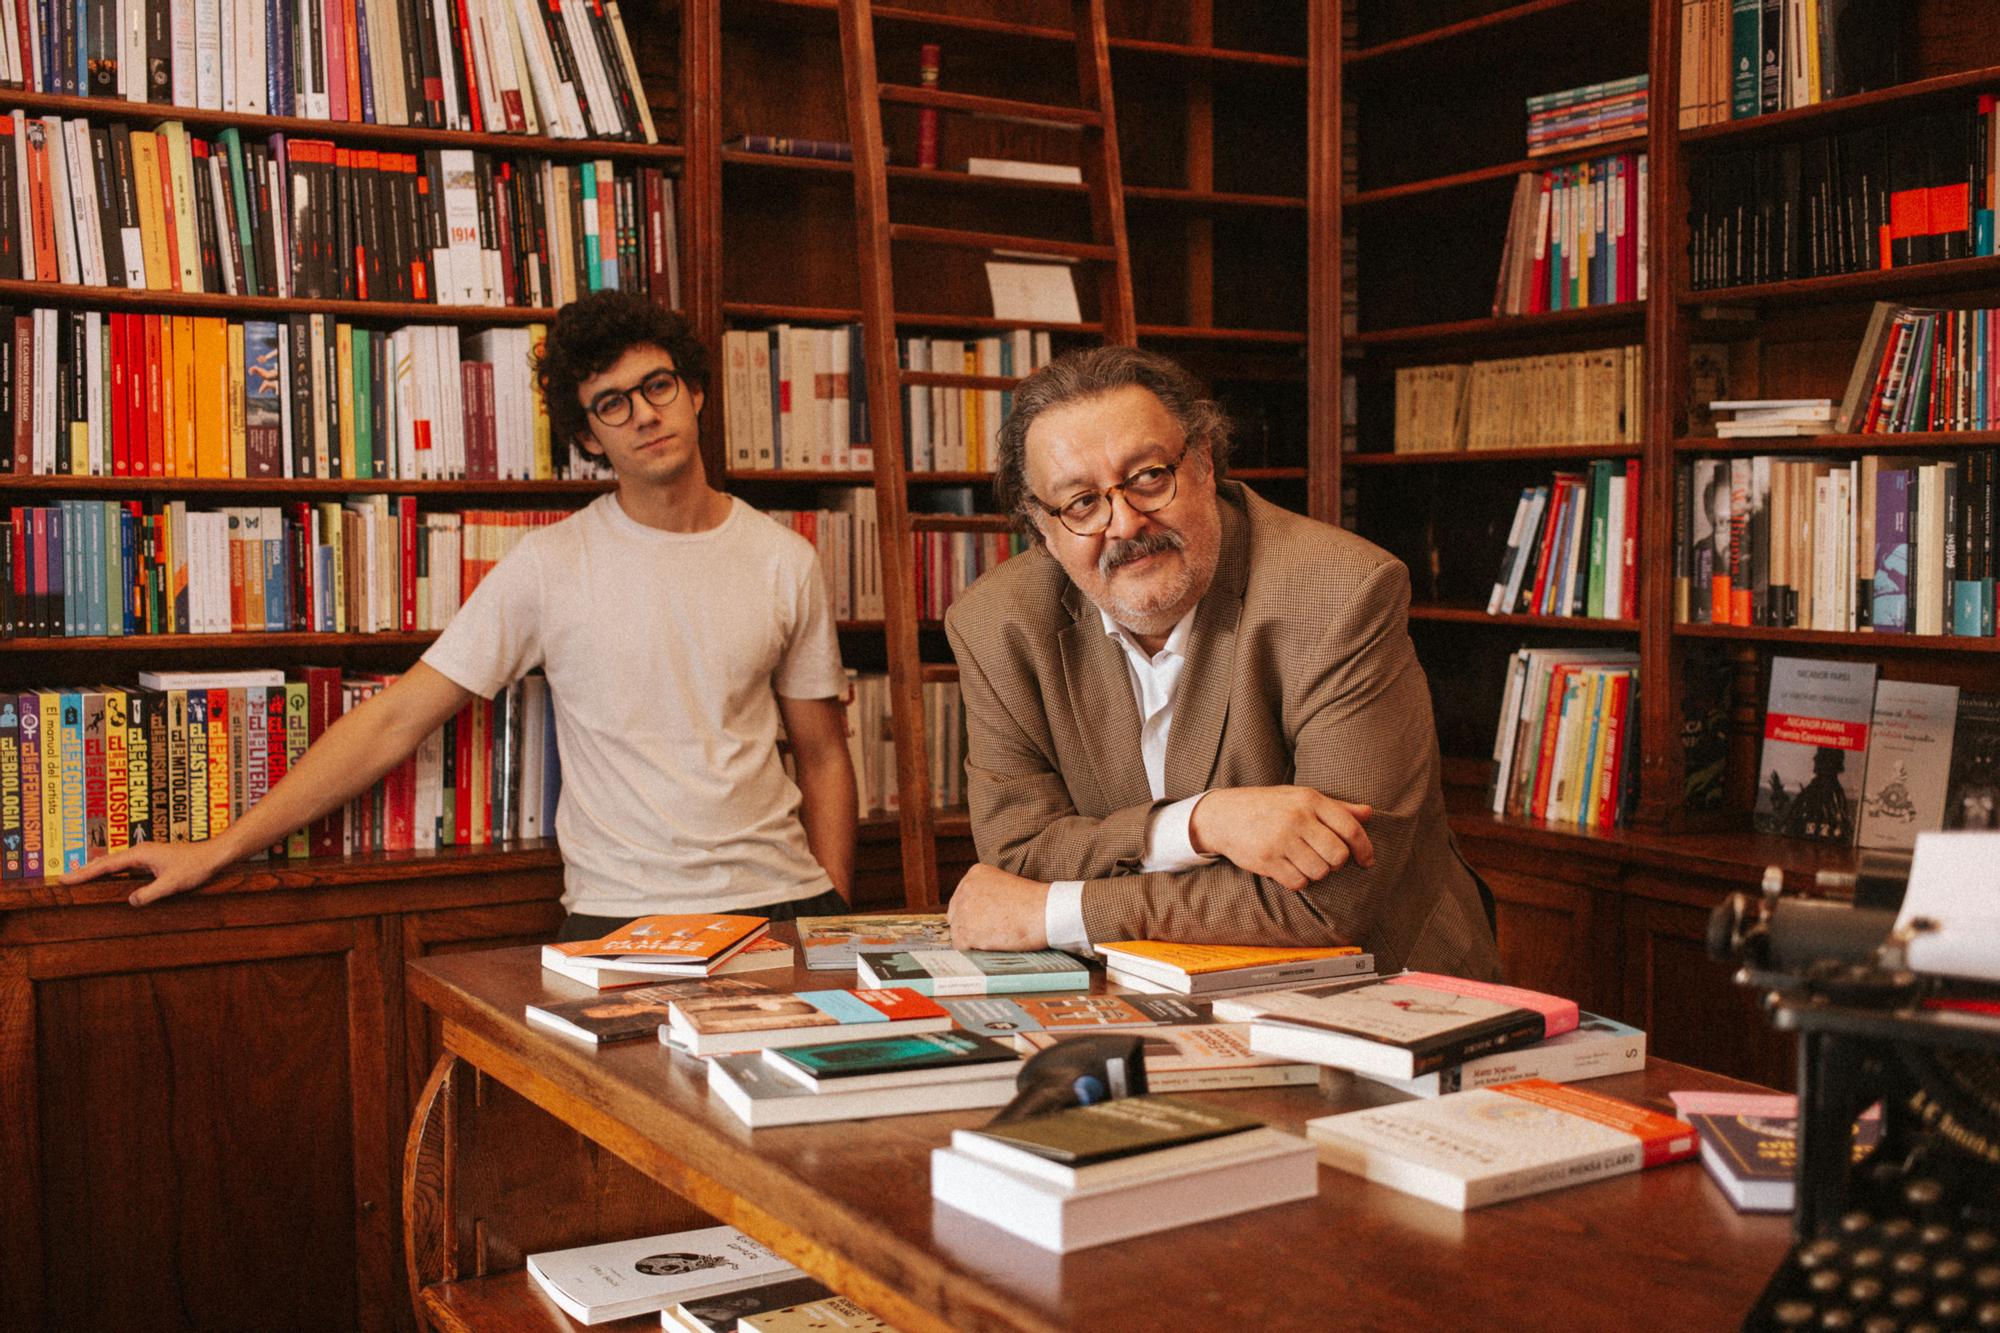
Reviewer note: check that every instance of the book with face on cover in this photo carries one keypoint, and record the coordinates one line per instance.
(1196, 1058)
(721, 1024)
(1003, 1016)
(762, 954)
(1195, 968)
(1815, 743)
(687, 944)
(1470, 1149)
(597, 1283)
(968, 972)
(1400, 1027)
(632, 1013)
(834, 1314)
(833, 943)
(719, 1314)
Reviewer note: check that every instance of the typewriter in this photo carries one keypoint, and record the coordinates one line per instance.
(1908, 1238)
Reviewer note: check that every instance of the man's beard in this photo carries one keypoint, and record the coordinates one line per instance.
(1164, 607)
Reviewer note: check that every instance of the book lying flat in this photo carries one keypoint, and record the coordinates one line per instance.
(830, 1314)
(894, 1062)
(1197, 968)
(632, 1013)
(1598, 1047)
(1470, 1149)
(1196, 1058)
(1218, 992)
(598, 1283)
(834, 943)
(966, 972)
(1001, 1016)
(1403, 1026)
(762, 954)
(761, 1097)
(1749, 1144)
(718, 1314)
(688, 944)
(1081, 1136)
(720, 1024)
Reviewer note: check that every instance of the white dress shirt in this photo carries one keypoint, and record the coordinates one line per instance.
(1169, 846)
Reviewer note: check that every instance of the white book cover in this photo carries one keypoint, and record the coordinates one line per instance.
(253, 50)
(602, 121)
(465, 270)
(758, 388)
(64, 215)
(181, 29)
(1023, 171)
(207, 55)
(598, 1283)
(621, 43)
(23, 196)
(83, 199)
(1909, 762)
(1599, 1047)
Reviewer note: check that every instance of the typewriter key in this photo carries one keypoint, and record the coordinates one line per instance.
(1907, 1264)
(1823, 1281)
(1865, 1258)
(1923, 1192)
(1793, 1314)
(1935, 1234)
(1880, 1323)
(1951, 1305)
(1839, 1317)
(1949, 1270)
(1896, 1228)
(1978, 1242)
(1986, 1277)
(1856, 1222)
(1863, 1290)
(1989, 1315)
(1817, 1253)
(1905, 1299)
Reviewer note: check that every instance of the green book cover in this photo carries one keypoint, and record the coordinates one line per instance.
(364, 404)
(1746, 53)
(232, 143)
(1600, 518)
(895, 1055)
(1122, 1127)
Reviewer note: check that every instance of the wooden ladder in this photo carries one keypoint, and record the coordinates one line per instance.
(1105, 251)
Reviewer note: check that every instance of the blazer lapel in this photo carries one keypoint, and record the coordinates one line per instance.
(1100, 699)
(1201, 701)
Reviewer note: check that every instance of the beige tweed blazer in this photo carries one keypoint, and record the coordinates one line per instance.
(1300, 670)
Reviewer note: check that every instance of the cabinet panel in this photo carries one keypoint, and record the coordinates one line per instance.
(1690, 1008)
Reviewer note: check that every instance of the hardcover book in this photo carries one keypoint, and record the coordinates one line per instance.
(832, 943)
(1598, 1047)
(1193, 968)
(1400, 1027)
(1972, 793)
(720, 1024)
(1815, 741)
(1000, 1016)
(1909, 762)
(598, 1283)
(1196, 1058)
(632, 1013)
(891, 1062)
(965, 972)
(1475, 1148)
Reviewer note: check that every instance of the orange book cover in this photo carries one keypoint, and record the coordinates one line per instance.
(1665, 1139)
(41, 202)
(1545, 762)
(239, 613)
(209, 371)
(160, 276)
(181, 464)
(1199, 958)
(691, 937)
(1611, 769)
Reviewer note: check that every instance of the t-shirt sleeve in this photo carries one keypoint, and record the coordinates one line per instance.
(810, 667)
(496, 637)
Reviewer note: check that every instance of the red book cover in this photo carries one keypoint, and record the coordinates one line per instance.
(214, 786)
(406, 537)
(120, 398)
(322, 708)
(469, 66)
(1538, 275)
(1628, 574)
(1565, 484)
(41, 202)
(135, 392)
(1878, 399)
(239, 612)
(158, 336)
(1538, 802)
(1604, 809)
(1628, 246)
(462, 791)
(338, 19)
(94, 798)
(276, 761)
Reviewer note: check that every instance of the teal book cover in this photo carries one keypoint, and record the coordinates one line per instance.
(893, 1055)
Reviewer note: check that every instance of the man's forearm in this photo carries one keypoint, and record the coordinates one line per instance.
(826, 789)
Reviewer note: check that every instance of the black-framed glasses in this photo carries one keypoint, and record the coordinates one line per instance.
(1088, 513)
(613, 407)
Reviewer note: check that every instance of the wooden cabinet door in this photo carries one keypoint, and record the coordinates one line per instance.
(1556, 924)
(195, 1131)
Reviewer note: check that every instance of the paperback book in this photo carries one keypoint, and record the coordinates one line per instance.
(1199, 968)
(755, 1092)
(762, 954)
(1002, 1016)
(1815, 739)
(1749, 1144)
(691, 944)
(834, 943)
(1410, 1024)
(718, 1314)
(1480, 1147)
(1597, 1048)
(1909, 763)
(829, 1314)
(1196, 1058)
(894, 1062)
(1972, 794)
(721, 1024)
(966, 972)
(598, 1283)
(631, 1013)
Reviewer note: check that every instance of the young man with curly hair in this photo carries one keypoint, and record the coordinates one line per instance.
(677, 627)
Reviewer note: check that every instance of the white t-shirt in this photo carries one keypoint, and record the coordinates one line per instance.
(666, 653)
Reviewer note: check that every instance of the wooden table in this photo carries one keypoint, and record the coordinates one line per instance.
(489, 1177)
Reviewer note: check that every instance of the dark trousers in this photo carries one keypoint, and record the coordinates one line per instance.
(830, 903)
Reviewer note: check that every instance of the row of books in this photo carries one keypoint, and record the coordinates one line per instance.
(110, 394)
(1923, 370)
(1742, 58)
(90, 770)
(796, 397)
(564, 70)
(954, 429)
(1573, 547)
(947, 563)
(94, 568)
(1849, 758)
(847, 535)
(1878, 543)
(1591, 397)
(1563, 749)
(1593, 114)
(1576, 237)
(871, 744)
(166, 210)
(1917, 191)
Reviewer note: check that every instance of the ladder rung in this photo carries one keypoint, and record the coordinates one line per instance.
(990, 106)
(986, 240)
(940, 379)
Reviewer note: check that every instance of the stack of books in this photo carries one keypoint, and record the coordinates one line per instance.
(1094, 1174)
(998, 1016)
(1596, 1048)
(720, 1314)
(595, 1284)
(633, 1012)
(1196, 1057)
(836, 943)
(727, 1024)
(1751, 418)
(828, 1314)
(856, 1080)
(653, 948)
(1209, 970)
(1580, 117)
(964, 972)
(1749, 1144)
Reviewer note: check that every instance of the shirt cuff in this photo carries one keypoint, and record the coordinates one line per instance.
(1062, 917)
(1169, 842)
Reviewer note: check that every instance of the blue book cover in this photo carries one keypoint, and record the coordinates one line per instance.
(1890, 608)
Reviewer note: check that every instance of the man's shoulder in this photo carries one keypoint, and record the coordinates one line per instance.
(1294, 552)
(1024, 589)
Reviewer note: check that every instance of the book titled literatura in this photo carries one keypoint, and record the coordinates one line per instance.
(1598, 1047)
(720, 1024)
(1196, 1058)
(691, 944)
(1815, 742)
(1474, 1148)
(1194, 969)
(1401, 1027)
(1749, 1143)
(632, 1013)
(598, 1283)
(962, 972)
(835, 943)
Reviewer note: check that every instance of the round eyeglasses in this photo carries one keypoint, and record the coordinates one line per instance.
(1089, 512)
(613, 407)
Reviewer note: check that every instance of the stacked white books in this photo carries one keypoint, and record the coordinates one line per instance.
(1752, 417)
(856, 1080)
(1210, 970)
(598, 1283)
(1094, 1174)
(1598, 1047)
(1195, 1057)
(602, 972)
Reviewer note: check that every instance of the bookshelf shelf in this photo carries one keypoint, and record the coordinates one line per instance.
(764, 312)
(1506, 171)
(960, 523)
(1452, 32)
(1843, 111)
(1477, 615)
(1886, 643)
(135, 486)
(1477, 457)
(1912, 441)
(14, 291)
(1867, 284)
(236, 641)
(1206, 333)
(1156, 194)
(411, 137)
(1503, 327)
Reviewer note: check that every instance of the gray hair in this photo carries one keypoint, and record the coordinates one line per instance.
(1086, 374)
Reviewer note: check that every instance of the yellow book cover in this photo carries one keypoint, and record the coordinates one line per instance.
(545, 470)
(218, 761)
(1195, 959)
(208, 371)
(186, 409)
(332, 527)
(969, 428)
(343, 374)
(239, 465)
(180, 172)
(49, 705)
(117, 803)
(161, 276)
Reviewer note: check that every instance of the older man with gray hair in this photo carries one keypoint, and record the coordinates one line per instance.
(1192, 715)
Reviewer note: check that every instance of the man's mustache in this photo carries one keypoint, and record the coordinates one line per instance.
(1125, 551)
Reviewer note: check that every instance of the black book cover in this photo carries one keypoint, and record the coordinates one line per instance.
(1867, 44)
(6, 390)
(409, 63)
(1789, 171)
(66, 39)
(537, 221)
(343, 280)
(368, 228)
(430, 68)
(1771, 58)
(1948, 139)
(263, 228)
(331, 405)
(101, 16)
(206, 240)
(430, 214)
(1909, 208)
(302, 399)
(10, 220)
(505, 233)
(1871, 166)
(232, 237)
(108, 207)
(614, 70)
(397, 234)
(579, 262)
(159, 50)
(1972, 792)
(566, 69)
(66, 356)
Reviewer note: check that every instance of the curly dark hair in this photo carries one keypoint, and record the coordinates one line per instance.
(588, 337)
(1079, 375)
